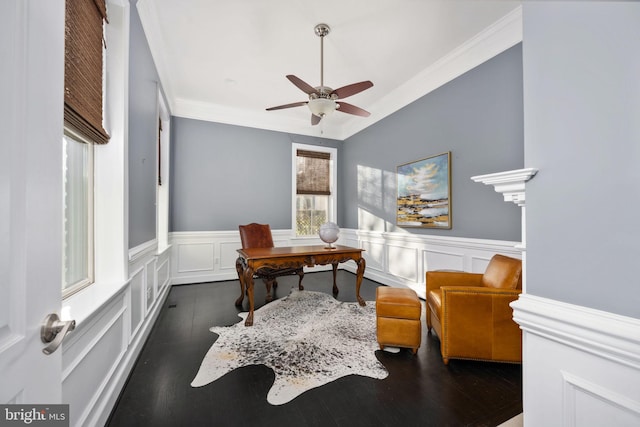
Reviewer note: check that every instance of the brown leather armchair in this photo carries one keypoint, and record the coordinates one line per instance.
(470, 312)
(259, 236)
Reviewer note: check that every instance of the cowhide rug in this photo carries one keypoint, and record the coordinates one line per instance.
(308, 338)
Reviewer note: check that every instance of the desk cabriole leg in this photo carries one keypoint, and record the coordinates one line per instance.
(360, 274)
(335, 286)
(248, 280)
(240, 270)
(270, 284)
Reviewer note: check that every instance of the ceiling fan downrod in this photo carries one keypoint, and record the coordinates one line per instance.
(321, 31)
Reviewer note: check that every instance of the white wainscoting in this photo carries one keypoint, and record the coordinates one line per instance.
(210, 256)
(402, 259)
(394, 259)
(581, 366)
(99, 355)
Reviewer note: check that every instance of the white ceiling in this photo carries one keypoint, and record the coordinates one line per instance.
(226, 60)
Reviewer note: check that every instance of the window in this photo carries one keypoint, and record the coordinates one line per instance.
(78, 214)
(83, 107)
(314, 188)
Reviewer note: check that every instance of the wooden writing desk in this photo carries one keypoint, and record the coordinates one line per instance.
(250, 260)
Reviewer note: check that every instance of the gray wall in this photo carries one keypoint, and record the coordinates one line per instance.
(224, 175)
(143, 124)
(478, 117)
(582, 121)
(216, 168)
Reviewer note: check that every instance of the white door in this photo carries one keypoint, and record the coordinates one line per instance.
(31, 125)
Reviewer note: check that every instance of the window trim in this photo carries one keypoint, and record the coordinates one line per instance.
(333, 197)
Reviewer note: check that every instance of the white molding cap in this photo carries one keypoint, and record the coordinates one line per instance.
(510, 183)
(608, 335)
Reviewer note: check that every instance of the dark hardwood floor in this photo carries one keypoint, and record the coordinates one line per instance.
(419, 391)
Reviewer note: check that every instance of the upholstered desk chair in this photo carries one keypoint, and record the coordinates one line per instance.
(470, 312)
(259, 236)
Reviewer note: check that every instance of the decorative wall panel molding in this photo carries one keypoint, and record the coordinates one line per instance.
(446, 260)
(98, 346)
(586, 403)
(587, 362)
(375, 251)
(210, 256)
(100, 353)
(163, 272)
(195, 257)
(143, 250)
(395, 259)
(402, 262)
(402, 259)
(150, 283)
(136, 300)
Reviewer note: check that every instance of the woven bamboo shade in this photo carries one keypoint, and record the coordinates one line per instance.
(83, 68)
(312, 172)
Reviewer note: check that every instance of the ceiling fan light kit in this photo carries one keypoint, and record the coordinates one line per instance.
(323, 99)
(322, 106)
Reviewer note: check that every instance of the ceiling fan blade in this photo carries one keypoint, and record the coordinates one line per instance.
(303, 86)
(315, 119)
(352, 89)
(352, 109)
(295, 104)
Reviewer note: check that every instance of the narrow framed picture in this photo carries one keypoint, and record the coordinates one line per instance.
(424, 193)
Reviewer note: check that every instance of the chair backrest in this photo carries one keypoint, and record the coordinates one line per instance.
(255, 236)
(503, 272)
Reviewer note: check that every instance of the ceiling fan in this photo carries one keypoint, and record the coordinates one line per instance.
(323, 99)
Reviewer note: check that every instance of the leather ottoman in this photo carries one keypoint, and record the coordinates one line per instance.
(398, 318)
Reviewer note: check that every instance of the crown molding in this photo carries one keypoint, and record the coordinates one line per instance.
(254, 119)
(495, 39)
(149, 19)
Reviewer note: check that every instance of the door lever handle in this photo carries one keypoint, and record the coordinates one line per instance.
(53, 331)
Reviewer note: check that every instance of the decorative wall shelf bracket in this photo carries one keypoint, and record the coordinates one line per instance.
(510, 183)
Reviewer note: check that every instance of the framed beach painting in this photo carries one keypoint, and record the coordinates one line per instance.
(424, 193)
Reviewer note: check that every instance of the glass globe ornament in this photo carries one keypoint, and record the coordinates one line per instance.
(328, 233)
